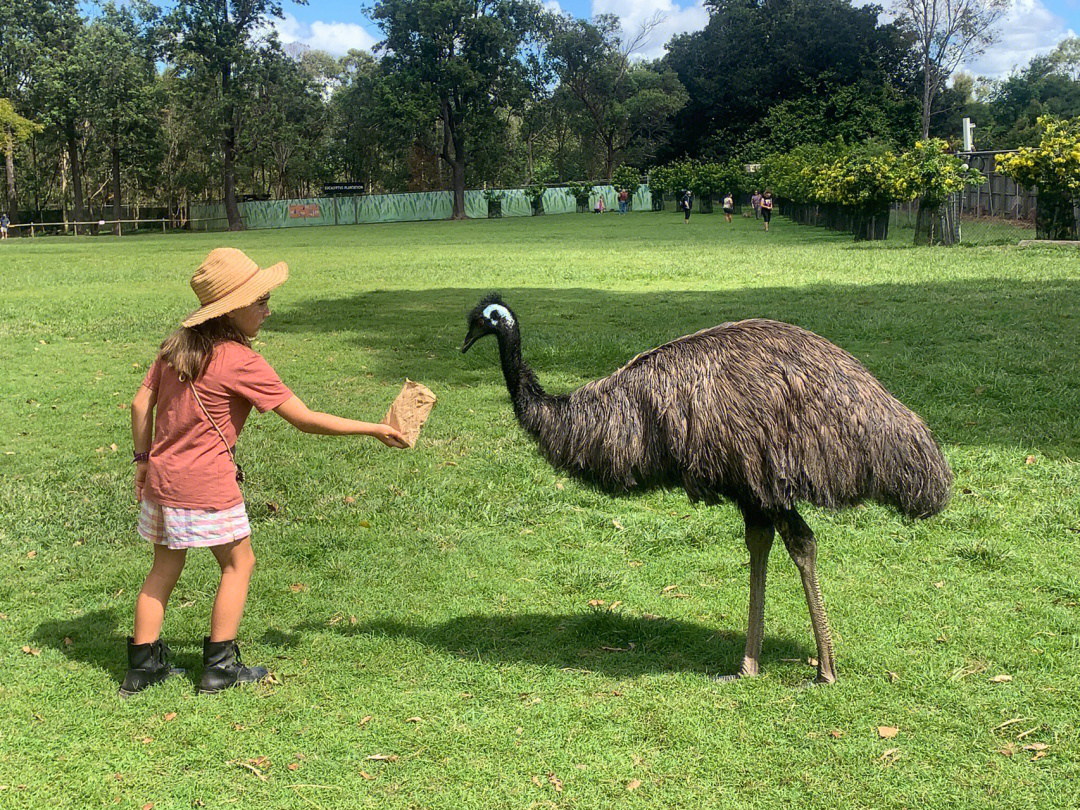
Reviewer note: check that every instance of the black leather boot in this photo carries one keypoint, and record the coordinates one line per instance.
(223, 667)
(147, 664)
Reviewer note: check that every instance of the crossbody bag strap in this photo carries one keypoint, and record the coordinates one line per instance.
(228, 447)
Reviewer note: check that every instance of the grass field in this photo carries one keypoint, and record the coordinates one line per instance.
(434, 605)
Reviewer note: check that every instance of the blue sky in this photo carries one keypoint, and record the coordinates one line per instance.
(1032, 27)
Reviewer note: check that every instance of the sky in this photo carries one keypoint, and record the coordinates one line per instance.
(1032, 27)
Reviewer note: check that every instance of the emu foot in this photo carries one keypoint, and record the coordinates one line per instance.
(825, 677)
(748, 669)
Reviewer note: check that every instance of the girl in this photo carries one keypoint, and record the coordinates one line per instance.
(766, 207)
(729, 206)
(203, 384)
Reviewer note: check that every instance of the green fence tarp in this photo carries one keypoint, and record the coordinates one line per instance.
(423, 205)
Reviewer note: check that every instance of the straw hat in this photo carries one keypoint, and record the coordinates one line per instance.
(227, 280)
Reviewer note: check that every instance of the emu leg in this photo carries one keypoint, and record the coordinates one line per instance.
(759, 539)
(802, 546)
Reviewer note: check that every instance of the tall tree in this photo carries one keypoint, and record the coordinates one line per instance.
(947, 31)
(121, 48)
(14, 130)
(462, 60)
(622, 102)
(214, 36)
(753, 54)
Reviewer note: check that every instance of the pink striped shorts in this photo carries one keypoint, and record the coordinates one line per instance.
(178, 528)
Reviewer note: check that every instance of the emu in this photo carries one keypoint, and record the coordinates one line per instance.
(760, 412)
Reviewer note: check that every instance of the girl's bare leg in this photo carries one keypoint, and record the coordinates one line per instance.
(237, 561)
(155, 593)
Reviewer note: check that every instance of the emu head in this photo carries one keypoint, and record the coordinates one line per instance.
(491, 316)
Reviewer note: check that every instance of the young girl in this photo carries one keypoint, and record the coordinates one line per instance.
(193, 404)
(766, 207)
(729, 206)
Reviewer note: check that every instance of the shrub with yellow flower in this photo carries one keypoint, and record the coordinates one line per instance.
(1054, 167)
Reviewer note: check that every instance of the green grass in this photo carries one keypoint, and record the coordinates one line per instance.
(456, 588)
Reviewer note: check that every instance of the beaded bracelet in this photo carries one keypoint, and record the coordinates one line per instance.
(141, 457)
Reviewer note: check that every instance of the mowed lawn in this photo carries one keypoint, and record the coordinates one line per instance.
(461, 626)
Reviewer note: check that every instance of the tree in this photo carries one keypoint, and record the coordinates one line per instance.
(946, 31)
(121, 53)
(624, 104)
(754, 54)
(214, 36)
(461, 61)
(14, 130)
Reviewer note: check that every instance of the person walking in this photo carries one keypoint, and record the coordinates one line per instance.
(185, 420)
(4, 222)
(624, 200)
(766, 207)
(599, 207)
(729, 206)
(755, 203)
(687, 205)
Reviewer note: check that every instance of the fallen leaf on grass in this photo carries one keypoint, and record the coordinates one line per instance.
(364, 524)
(669, 588)
(893, 677)
(634, 784)
(365, 719)
(536, 780)
(148, 806)
(349, 499)
(939, 584)
(170, 716)
(382, 757)
(617, 524)
(889, 756)
(31, 554)
(1036, 746)
(31, 650)
(836, 734)
(260, 762)
(297, 587)
(67, 641)
(293, 766)
(555, 782)
(1008, 750)
(559, 485)
(887, 732)
(1001, 678)
(812, 662)
(1038, 755)
(146, 740)
(415, 720)
(366, 775)
(596, 603)
(1029, 460)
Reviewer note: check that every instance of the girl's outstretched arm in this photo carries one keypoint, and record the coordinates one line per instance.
(297, 414)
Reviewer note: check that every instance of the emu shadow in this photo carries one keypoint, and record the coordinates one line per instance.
(603, 642)
(984, 362)
(97, 641)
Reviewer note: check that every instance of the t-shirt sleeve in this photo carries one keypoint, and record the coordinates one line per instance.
(153, 374)
(259, 384)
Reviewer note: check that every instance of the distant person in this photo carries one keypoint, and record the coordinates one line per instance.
(624, 200)
(687, 205)
(755, 203)
(599, 209)
(766, 207)
(185, 420)
(4, 222)
(729, 206)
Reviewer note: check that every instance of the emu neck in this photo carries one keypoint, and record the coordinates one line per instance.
(529, 399)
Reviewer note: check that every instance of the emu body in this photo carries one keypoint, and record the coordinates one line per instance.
(761, 412)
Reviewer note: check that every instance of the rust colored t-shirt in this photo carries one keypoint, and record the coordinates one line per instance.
(189, 464)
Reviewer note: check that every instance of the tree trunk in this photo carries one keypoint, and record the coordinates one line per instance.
(228, 144)
(455, 159)
(12, 202)
(116, 181)
(937, 224)
(928, 96)
(76, 172)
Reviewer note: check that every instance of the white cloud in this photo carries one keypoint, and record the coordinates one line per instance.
(677, 20)
(334, 37)
(1029, 29)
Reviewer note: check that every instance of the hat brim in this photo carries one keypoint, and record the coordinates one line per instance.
(265, 280)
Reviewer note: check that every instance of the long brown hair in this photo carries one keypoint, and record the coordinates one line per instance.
(189, 349)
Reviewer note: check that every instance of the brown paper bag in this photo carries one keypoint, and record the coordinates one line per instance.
(410, 410)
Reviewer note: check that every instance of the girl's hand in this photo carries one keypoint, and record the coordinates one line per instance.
(390, 437)
(140, 479)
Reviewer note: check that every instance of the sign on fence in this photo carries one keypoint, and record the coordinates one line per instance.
(308, 210)
(332, 189)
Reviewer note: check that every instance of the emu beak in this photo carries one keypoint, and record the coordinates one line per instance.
(470, 339)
